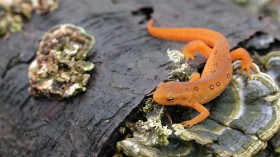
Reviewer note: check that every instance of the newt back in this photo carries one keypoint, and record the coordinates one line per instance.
(216, 74)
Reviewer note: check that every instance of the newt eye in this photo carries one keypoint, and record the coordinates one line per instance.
(170, 99)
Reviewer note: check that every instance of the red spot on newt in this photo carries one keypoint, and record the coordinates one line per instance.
(199, 90)
(218, 84)
(228, 75)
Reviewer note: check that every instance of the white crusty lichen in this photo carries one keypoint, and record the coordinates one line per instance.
(151, 132)
(175, 56)
(71, 90)
(181, 71)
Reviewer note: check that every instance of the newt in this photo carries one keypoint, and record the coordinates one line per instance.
(215, 76)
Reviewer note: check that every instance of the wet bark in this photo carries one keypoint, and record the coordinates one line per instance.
(128, 65)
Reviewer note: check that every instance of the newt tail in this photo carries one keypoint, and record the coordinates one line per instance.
(216, 74)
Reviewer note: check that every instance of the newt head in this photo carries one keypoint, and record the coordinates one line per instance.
(170, 93)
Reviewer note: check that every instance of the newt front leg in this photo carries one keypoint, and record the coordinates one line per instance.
(203, 114)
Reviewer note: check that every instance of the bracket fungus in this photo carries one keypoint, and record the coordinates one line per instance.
(60, 68)
(272, 64)
(242, 120)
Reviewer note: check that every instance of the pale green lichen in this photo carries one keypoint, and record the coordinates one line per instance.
(9, 23)
(14, 12)
(151, 132)
(132, 147)
(45, 6)
(148, 105)
(60, 68)
(277, 150)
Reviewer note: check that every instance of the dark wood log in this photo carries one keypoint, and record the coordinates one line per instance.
(128, 65)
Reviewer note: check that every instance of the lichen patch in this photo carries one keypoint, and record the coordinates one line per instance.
(60, 68)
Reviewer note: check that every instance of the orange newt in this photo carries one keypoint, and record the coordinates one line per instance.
(216, 74)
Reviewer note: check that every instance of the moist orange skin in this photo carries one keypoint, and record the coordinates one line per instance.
(216, 74)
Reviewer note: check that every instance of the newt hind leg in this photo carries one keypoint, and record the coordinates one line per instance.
(196, 45)
(195, 76)
(203, 114)
(246, 60)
